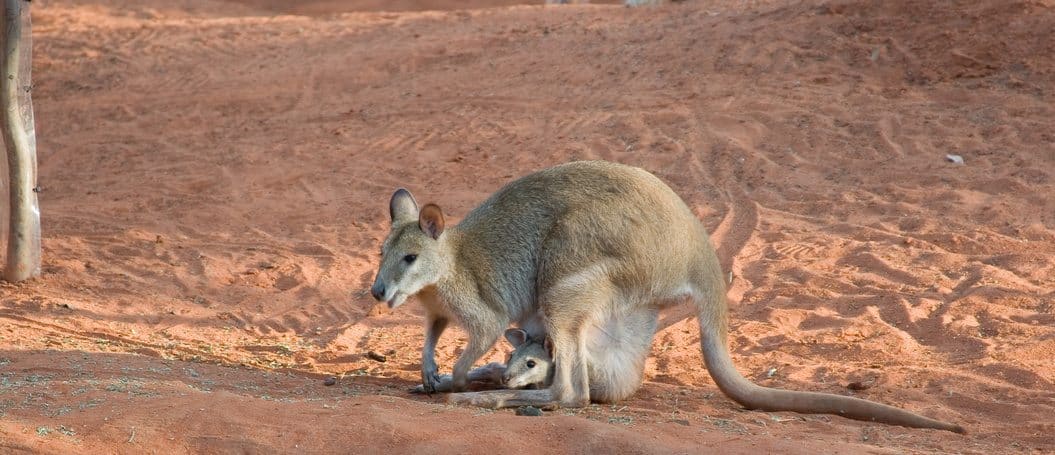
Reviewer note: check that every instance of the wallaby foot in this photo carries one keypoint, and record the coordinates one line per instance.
(498, 399)
(440, 384)
(431, 380)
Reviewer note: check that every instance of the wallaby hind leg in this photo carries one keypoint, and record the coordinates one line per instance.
(569, 306)
(571, 379)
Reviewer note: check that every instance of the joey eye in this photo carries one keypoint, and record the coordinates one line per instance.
(410, 258)
(531, 364)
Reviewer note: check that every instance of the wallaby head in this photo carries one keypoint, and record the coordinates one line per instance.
(531, 362)
(413, 256)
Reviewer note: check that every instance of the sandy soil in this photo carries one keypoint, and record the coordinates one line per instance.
(215, 178)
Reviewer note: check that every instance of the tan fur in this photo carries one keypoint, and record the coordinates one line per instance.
(568, 250)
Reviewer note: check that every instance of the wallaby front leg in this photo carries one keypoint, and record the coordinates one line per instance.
(430, 379)
(479, 344)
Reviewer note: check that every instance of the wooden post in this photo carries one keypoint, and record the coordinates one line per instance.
(19, 133)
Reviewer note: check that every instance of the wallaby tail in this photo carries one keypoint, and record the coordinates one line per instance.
(752, 396)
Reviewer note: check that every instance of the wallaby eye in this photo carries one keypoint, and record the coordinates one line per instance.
(410, 258)
(531, 364)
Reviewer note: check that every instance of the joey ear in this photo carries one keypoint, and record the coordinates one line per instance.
(431, 220)
(548, 344)
(402, 207)
(516, 337)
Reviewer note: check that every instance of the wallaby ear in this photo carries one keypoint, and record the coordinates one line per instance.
(431, 220)
(516, 337)
(548, 344)
(402, 207)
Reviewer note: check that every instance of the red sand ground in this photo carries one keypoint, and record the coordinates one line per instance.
(215, 178)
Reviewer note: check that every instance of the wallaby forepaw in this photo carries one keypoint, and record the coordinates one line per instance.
(431, 382)
(435, 384)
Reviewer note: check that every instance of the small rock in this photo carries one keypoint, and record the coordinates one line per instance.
(374, 355)
(954, 159)
(858, 385)
(530, 411)
(771, 372)
(330, 380)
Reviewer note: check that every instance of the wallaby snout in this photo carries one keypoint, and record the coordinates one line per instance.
(383, 293)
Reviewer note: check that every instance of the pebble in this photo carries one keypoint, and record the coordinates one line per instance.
(529, 411)
(858, 385)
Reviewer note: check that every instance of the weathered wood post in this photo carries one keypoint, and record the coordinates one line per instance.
(16, 122)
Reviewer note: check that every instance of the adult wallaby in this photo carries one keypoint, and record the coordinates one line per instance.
(567, 251)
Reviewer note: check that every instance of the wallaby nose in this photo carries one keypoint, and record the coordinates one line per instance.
(378, 290)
